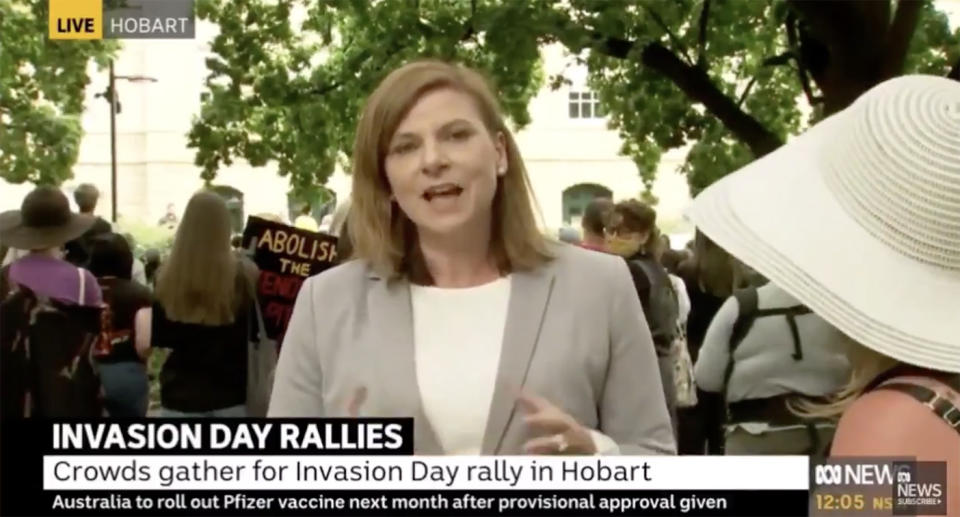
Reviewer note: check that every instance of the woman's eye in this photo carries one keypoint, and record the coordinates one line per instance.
(402, 148)
(460, 134)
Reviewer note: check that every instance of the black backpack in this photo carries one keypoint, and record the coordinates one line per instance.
(47, 368)
(748, 313)
(663, 308)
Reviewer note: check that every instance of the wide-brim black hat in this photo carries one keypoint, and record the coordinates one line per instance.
(43, 221)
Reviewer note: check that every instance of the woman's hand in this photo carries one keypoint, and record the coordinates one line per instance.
(555, 432)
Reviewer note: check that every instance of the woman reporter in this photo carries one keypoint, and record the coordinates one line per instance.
(456, 310)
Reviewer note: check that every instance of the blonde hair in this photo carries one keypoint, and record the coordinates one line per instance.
(866, 366)
(380, 232)
(198, 282)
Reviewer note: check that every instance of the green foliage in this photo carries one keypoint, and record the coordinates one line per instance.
(42, 85)
(292, 95)
(291, 92)
(146, 235)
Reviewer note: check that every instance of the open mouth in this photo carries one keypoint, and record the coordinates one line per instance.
(445, 190)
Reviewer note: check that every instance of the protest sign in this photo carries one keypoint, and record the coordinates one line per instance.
(286, 256)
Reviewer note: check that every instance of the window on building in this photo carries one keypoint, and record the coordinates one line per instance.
(576, 199)
(585, 104)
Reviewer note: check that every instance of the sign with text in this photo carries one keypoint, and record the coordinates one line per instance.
(286, 256)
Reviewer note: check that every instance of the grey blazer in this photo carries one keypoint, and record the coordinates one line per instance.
(575, 334)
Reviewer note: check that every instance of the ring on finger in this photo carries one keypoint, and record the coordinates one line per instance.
(562, 443)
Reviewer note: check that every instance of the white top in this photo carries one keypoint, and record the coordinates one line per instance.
(763, 362)
(458, 334)
(683, 299)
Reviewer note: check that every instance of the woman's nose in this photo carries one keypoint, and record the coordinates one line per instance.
(434, 159)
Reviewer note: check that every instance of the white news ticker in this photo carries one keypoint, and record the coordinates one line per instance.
(431, 472)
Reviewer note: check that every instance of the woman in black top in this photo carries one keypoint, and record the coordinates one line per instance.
(123, 371)
(202, 315)
(710, 275)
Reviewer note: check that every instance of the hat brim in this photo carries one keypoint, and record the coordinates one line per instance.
(15, 234)
(778, 216)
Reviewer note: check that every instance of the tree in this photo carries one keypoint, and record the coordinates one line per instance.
(725, 76)
(42, 84)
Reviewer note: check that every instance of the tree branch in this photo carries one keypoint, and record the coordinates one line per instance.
(696, 84)
(702, 36)
(802, 73)
(746, 91)
(899, 36)
(681, 48)
(836, 24)
(471, 31)
(955, 72)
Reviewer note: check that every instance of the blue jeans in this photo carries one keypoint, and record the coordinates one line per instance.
(126, 388)
(227, 412)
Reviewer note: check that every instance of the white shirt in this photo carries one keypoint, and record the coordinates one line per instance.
(764, 364)
(683, 299)
(458, 335)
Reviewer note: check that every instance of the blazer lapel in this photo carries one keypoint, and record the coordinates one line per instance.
(396, 361)
(529, 294)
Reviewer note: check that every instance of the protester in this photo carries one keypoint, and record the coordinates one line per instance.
(710, 276)
(151, 263)
(123, 371)
(51, 315)
(204, 299)
(457, 310)
(632, 233)
(593, 222)
(858, 219)
(305, 220)
(43, 225)
(169, 219)
(763, 351)
(78, 250)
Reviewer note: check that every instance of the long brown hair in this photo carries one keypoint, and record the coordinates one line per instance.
(198, 282)
(713, 269)
(378, 229)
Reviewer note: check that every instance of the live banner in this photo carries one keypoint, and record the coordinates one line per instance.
(286, 256)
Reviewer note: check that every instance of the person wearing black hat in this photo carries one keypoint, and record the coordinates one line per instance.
(43, 225)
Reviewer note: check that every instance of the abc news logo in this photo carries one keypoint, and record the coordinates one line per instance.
(860, 474)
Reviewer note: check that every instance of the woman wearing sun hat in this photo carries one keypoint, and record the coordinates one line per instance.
(859, 218)
(43, 225)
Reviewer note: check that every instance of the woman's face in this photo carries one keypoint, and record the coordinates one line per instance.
(443, 165)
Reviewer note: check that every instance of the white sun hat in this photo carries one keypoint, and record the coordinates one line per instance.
(859, 218)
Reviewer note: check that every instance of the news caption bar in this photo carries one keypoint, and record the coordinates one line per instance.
(359, 467)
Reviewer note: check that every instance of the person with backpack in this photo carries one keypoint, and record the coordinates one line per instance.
(632, 233)
(123, 370)
(50, 315)
(859, 220)
(762, 351)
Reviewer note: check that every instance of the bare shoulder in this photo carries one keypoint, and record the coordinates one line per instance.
(890, 423)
